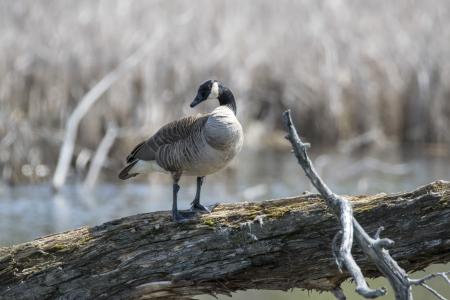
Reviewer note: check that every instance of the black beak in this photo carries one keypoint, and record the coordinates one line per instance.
(196, 101)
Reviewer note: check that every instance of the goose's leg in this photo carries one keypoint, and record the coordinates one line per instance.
(196, 203)
(175, 213)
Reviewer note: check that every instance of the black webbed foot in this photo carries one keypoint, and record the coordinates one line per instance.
(196, 206)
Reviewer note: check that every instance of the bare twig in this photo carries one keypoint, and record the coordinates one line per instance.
(433, 291)
(421, 282)
(100, 156)
(340, 206)
(430, 276)
(379, 230)
(375, 248)
(335, 251)
(86, 103)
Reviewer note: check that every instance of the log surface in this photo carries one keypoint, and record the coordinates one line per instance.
(276, 244)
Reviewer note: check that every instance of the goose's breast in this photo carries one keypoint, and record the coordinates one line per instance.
(222, 139)
(210, 161)
(224, 132)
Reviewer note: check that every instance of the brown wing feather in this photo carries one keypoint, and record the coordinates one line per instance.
(168, 134)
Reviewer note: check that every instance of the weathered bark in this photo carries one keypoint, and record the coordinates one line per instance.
(278, 244)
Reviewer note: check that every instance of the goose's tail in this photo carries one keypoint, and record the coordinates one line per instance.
(124, 174)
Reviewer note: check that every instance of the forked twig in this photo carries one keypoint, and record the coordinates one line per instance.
(340, 206)
(422, 283)
(375, 248)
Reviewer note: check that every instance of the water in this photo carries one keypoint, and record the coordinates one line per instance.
(27, 212)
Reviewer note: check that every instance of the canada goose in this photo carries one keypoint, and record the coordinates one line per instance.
(194, 145)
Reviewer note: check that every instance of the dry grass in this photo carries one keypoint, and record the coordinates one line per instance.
(344, 67)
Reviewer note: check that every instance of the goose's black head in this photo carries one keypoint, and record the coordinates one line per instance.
(209, 89)
(213, 89)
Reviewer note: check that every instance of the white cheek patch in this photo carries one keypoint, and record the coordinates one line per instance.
(214, 91)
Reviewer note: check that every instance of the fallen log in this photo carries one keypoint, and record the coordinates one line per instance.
(276, 244)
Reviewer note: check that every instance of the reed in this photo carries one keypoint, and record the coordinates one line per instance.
(343, 67)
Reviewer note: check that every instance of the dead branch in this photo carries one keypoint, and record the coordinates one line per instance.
(100, 156)
(277, 244)
(376, 248)
(86, 103)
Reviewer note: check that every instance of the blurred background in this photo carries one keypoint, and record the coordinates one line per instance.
(368, 84)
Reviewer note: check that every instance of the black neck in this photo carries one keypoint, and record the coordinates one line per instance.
(226, 98)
